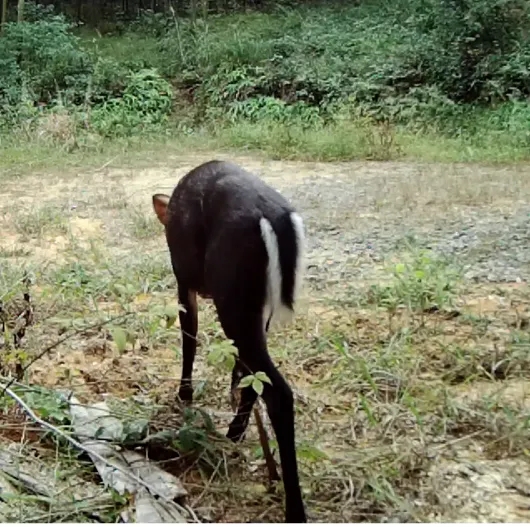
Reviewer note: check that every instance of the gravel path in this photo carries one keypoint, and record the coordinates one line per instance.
(351, 228)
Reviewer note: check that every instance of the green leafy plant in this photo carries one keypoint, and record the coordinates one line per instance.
(122, 337)
(256, 380)
(222, 355)
(45, 58)
(145, 103)
(49, 405)
(421, 281)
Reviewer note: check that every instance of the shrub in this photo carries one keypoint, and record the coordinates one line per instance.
(145, 104)
(34, 12)
(44, 57)
(478, 49)
(403, 61)
(44, 66)
(414, 62)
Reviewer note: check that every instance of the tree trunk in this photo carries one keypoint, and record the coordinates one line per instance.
(193, 10)
(3, 20)
(20, 11)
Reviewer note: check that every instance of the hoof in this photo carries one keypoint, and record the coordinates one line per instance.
(186, 395)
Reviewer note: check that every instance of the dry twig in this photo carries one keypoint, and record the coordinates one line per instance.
(87, 450)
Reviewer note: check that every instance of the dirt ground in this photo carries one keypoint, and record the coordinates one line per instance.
(404, 413)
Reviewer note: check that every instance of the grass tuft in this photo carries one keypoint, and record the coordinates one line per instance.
(48, 219)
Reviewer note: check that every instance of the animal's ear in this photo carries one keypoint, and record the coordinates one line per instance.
(160, 202)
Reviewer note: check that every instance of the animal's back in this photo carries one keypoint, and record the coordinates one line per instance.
(225, 192)
(232, 227)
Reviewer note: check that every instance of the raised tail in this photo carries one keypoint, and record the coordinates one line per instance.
(285, 244)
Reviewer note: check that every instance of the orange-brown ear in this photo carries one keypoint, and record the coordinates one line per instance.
(160, 202)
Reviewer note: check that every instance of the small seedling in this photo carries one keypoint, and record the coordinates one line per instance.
(222, 355)
(256, 381)
(122, 337)
(419, 282)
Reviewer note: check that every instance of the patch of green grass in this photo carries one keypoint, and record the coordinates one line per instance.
(143, 226)
(417, 281)
(360, 140)
(20, 156)
(48, 219)
(420, 281)
(97, 277)
(343, 141)
(12, 278)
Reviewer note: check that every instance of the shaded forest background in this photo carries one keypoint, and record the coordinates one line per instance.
(327, 80)
(101, 11)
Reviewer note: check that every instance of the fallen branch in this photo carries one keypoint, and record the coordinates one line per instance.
(87, 450)
(105, 165)
(267, 454)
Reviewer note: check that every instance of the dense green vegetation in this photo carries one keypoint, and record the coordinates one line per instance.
(438, 79)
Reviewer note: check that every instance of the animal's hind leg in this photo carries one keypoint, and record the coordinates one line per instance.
(278, 397)
(244, 407)
(188, 328)
(237, 375)
(249, 336)
(246, 330)
(239, 424)
(238, 289)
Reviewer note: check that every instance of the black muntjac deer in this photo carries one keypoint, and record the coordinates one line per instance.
(236, 240)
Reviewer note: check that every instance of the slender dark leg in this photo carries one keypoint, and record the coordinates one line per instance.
(250, 339)
(246, 403)
(238, 426)
(238, 373)
(188, 327)
(280, 407)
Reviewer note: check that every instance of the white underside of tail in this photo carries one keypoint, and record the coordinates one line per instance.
(273, 305)
(300, 258)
